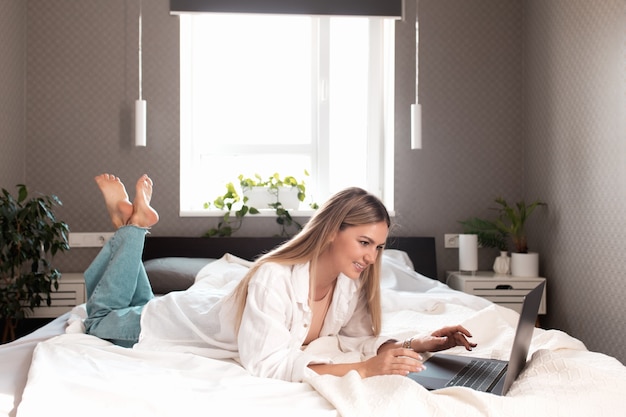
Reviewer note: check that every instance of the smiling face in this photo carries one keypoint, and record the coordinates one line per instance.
(356, 247)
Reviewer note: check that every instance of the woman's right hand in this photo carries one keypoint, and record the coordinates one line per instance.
(393, 361)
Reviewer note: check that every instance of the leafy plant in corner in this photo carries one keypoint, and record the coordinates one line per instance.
(489, 233)
(510, 222)
(30, 236)
(238, 205)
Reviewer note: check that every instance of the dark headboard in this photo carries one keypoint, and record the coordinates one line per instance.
(421, 250)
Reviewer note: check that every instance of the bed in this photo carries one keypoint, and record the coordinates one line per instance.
(59, 370)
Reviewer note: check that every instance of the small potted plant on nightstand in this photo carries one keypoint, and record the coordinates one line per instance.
(30, 235)
(511, 222)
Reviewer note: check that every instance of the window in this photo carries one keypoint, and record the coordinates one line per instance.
(275, 93)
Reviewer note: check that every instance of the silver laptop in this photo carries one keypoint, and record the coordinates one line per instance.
(487, 375)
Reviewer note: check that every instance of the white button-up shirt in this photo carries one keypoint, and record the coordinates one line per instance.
(277, 317)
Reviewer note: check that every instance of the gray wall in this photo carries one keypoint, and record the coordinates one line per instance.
(520, 99)
(470, 92)
(576, 159)
(82, 83)
(12, 92)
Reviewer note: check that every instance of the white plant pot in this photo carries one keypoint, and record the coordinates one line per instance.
(525, 264)
(261, 197)
(288, 197)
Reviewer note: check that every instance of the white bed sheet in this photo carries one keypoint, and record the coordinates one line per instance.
(15, 359)
(77, 374)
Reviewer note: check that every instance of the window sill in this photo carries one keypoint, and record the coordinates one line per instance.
(263, 213)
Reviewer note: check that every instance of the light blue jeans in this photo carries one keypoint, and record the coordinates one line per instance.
(118, 288)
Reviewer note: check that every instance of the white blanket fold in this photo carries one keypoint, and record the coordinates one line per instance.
(562, 382)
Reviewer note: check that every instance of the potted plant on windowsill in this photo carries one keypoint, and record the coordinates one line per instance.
(510, 223)
(240, 201)
(264, 193)
(30, 236)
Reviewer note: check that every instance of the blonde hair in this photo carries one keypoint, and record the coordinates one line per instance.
(350, 207)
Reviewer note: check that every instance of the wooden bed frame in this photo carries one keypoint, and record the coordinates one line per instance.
(421, 250)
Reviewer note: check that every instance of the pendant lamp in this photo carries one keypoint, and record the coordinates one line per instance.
(416, 109)
(140, 104)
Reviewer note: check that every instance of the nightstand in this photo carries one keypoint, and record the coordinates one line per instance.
(71, 293)
(505, 290)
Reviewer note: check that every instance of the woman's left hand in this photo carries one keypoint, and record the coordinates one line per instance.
(446, 338)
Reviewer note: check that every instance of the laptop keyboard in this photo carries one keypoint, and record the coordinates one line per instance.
(479, 375)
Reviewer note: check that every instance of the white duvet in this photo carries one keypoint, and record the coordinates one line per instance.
(79, 375)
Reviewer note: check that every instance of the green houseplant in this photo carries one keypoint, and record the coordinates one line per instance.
(31, 236)
(237, 203)
(490, 235)
(514, 218)
(275, 187)
(510, 223)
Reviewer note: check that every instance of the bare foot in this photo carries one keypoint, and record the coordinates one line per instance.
(116, 199)
(143, 214)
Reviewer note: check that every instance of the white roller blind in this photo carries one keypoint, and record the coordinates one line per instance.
(385, 8)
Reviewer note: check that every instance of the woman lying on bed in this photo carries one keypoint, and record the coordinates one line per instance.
(323, 282)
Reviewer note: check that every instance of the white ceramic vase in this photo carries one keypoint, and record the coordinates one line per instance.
(525, 264)
(502, 264)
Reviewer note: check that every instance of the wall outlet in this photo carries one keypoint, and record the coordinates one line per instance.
(88, 240)
(451, 240)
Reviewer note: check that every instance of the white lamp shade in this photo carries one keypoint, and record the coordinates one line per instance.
(416, 126)
(140, 123)
(468, 253)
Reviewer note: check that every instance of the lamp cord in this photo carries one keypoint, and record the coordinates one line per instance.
(139, 50)
(417, 54)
